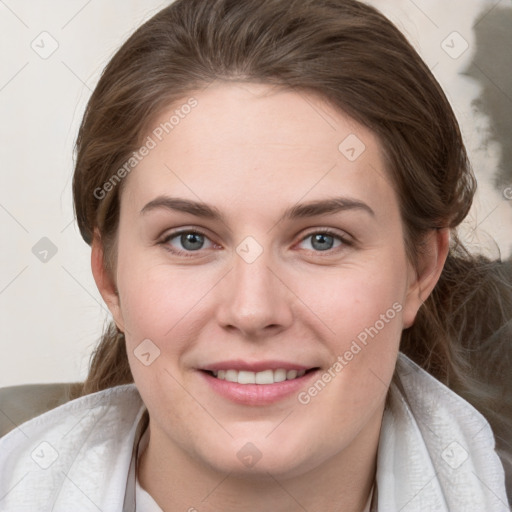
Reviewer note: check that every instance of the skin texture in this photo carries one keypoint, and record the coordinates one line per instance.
(252, 152)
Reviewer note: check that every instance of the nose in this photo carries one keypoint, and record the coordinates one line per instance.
(255, 299)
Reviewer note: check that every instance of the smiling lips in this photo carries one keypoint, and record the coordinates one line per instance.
(256, 383)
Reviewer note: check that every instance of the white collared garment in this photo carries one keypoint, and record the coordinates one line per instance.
(436, 453)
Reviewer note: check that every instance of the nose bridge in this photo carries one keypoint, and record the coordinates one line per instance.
(253, 297)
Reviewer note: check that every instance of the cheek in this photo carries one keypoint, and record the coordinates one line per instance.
(361, 310)
(156, 298)
(169, 307)
(353, 298)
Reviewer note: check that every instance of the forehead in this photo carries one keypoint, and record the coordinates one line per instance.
(250, 139)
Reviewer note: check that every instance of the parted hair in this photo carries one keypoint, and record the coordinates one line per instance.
(351, 55)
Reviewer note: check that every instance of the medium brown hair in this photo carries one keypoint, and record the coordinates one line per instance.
(352, 56)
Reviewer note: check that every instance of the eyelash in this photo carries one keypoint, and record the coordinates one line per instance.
(190, 254)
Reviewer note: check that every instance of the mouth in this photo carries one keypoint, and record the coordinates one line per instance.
(261, 383)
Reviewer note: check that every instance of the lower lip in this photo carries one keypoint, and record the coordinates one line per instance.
(257, 394)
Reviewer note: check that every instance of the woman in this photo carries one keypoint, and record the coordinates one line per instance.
(271, 192)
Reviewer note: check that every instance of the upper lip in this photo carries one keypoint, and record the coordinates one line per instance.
(255, 366)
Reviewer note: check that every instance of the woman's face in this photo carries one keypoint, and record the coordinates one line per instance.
(297, 265)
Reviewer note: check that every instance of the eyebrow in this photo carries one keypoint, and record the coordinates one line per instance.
(299, 211)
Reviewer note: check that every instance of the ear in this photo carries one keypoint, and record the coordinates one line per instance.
(421, 281)
(104, 281)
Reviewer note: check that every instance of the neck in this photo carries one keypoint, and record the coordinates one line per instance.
(177, 481)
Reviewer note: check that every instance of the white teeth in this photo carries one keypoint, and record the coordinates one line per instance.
(291, 374)
(246, 377)
(231, 375)
(279, 375)
(264, 377)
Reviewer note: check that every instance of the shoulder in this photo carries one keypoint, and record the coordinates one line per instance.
(438, 447)
(74, 445)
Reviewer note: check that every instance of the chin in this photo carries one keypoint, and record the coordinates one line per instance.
(260, 457)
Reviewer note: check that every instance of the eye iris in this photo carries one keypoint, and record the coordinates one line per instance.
(191, 238)
(322, 238)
